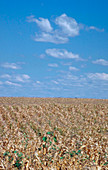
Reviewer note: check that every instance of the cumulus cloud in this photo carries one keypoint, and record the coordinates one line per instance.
(17, 78)
(73, 68)
(68, 79)
(50, 37)
(10, 65)
(101, 62)
(61, 53)
(43, 23)
(12, 84)
(98, 76)
(53, 65)
(68, 25)
(22, 78)
(65, 27)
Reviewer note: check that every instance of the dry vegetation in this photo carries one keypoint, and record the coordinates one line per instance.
(53, 134)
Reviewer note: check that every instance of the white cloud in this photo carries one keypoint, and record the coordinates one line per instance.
(68, 25)
(53, 65)
(42, 56)
(94, 28)
(65, 27)
(38, 82)
(101, 62)
(61, 53)
(43, 23)
(7, 76)
(11, 65)
(73, 68)
(12, 84)
(69, 80)
(73, 85)
(70, 76)
(25, 76)
(100, 76)
(31, 18)
(22, 78)
(55, 82)
(50, 37)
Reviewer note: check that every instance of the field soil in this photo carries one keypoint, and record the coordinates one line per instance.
(53, 133)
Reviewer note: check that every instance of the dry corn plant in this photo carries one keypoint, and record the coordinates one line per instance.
(53, 134)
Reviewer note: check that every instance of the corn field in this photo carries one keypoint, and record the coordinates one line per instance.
(53, 134)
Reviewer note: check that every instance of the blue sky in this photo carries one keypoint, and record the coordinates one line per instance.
(54, 48)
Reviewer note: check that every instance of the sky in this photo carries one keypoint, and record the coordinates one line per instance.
(54, 48)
